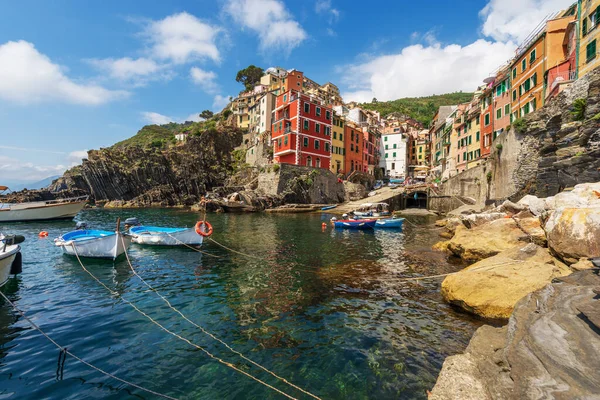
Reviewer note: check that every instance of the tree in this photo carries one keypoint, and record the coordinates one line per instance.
(374, 101)
(206, 114)
(249, 76)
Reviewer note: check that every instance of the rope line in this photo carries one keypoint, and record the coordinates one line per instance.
(234, 251)
(209, 333)
(192, 247)
(227, 364)
(66, 351)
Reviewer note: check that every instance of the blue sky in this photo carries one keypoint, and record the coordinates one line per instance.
(78, 75)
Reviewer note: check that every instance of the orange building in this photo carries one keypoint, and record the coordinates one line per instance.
(354, 143)
(301, 130)
(502, 113)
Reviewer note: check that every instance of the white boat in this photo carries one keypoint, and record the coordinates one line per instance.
(41, 210)
(94, 243)
(161, 236)
(372, 210)
(10, 258)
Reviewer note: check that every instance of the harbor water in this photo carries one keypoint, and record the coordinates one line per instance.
(327, 310)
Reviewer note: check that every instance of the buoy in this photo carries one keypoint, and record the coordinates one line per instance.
(43, 234)
(323, 225)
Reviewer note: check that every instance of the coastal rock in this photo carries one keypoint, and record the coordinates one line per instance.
(548, 350)
(508, 207)
(582, 195)
(474, 220)
(582, 265)
(492, 287)
(486, 240)
(532, 227)
(536, 205)
(573, 233)
(441, 246)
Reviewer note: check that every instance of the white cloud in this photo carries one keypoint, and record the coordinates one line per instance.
(137, 71)
(219, 102)
(76, 156)
(513, 20)
(193, 117)
(276, 28)
(431, 67)
(28, 76)
(324, 7)
(12, 169)
(182, 37)
(205, 79)
(154, 118)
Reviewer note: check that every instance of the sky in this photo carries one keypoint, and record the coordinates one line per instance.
(79, 75)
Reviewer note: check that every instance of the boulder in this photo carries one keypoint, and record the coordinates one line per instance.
(508, 207)
(464, 210)
(582, 195)
(535, 205)
(581, 265)
(441, 246)
(574, 233)
(474, 220)
(532, 227)
(492, 287)
(486, 240)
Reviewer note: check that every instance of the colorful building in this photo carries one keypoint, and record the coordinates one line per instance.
(354, 144)
(589, 36)
(502, 114)
(469, 137)
(338, 147)
(301, 132)
(487, 121)
(393, 149)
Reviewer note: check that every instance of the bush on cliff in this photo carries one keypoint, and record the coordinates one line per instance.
(519, 125)
(578, 111)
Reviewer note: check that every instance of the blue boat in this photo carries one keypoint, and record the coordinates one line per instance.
(389, 223)
(360, 224)
(328, 207)
(94, 243)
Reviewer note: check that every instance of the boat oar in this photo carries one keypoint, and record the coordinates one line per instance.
(118, 224)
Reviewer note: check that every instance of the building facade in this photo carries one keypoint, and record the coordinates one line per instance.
(589, 35)
(394, 150)
(354, 144)
(486, 121)
(338, 147)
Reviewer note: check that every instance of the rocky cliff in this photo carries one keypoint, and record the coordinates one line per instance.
(163, 174)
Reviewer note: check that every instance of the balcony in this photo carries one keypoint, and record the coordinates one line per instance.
(282, 117)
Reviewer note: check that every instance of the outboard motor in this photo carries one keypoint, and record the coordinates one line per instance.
(80, 226)
(130, 222)
(13, 239)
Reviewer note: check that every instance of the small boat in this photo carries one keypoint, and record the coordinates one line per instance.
(162, 236)
(373, 193)
(395, 223)
(40, 210)
(10, 257)
(397, 180)
(93, 243)
(378, 185)
(372, 210)
(328, 207)
(393, 185)
(360, 224)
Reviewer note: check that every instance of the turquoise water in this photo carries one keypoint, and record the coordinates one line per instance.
(324, 309)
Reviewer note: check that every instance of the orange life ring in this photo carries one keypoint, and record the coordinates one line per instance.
(43, 234)
(201, 230)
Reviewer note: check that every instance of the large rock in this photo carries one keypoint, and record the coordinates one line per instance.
(532, 227)
(536, 205)
(548, 350)
(486, 240)
(473, 220)
(492, 287)
(583, 195)
(574, 233)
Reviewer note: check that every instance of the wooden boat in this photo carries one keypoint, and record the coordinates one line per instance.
(360, 224)
(162, 236)
(94, 243)
(389, 223)
(41, 210)
(328, 207)
(10, 257)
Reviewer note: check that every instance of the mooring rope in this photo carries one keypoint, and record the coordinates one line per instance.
(66, 351)
(227, 364)
(234, 251)
(209, 333)
(192, 247)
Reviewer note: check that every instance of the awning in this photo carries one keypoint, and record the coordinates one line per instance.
(3, 187)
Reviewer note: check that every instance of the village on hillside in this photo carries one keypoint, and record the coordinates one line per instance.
(289, 118)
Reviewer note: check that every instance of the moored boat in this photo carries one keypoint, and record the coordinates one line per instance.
(372, 210)
(328, 207)
(360, 224)
(389, 223)
(41, 210)
(10, 257)
(164, 236)
(94, 243)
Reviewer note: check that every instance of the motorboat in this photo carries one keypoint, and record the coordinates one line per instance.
(93, 243)
(389, 223)
(162, 236)
(360, 224)
(10, 257)
(40, 210)
(372, 210)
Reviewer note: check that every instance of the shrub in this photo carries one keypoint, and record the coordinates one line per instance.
(499, 146)
(578, 109)
(519, 125)
(276, 167)
(489, 175)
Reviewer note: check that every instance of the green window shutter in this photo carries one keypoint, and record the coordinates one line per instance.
(386, 146)
(394, 145)
(591, 50)
(520, 90)
(534, 80)
(524, 64)
(584, 27)
(477, 137)
(342, 137)
(504, 85)
(394, 154)
(499, 113)
(514, 73)
(386, 155)
(285, 140)
(533, 105)
(527, 85)
(514, 95)
(507, 109)
(334, 134)
(385, 139)
(498, 90)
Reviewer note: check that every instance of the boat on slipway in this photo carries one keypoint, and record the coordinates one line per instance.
(40, 210)
(165, 236)
(10, 257)
(93, 243)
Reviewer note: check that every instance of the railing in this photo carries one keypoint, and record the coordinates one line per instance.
(561, 77)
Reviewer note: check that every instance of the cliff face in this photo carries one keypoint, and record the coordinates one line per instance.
(137, 176)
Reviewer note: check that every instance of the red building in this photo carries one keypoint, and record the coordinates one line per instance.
(301, 130)
(354, 148)
(487, 121)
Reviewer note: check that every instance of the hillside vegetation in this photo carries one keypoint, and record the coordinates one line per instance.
(420, 108)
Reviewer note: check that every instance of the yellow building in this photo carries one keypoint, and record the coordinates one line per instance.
(337, 145)
(589, 35)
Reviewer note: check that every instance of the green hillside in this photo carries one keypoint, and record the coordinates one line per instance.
(152, 135)
(420, 108)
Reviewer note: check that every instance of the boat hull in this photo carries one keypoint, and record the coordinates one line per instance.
(110, 247)
(7, 258)
(389, 223)
(155, 238)
(362, 224)
(42, 212)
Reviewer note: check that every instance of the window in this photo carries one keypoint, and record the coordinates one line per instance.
(352, 135)
(351, 147)
(327, 114)
(285, 140)
(514, 95)
(477, 137)
(342, 137)
(318, 111)
(305, 142)
(385, 138)
(487, 119)
(317, 144)
(584, 27)
(279, 142)
(523, 65)
(420, 149)
(476, 121)
(306, 107)
(507, 109)
(306, 124)
(328, 130)
(532, 57)
(285, 98)
(386, 155)
(318, 163)
(514, 74)
(499, 113)
(317, 128)
(334, 134)
(394, 145)
(590, 51)
(386, 146)
(327, 147)
(470, 136)
(393, 166)
(308, 161)
(394, 154)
